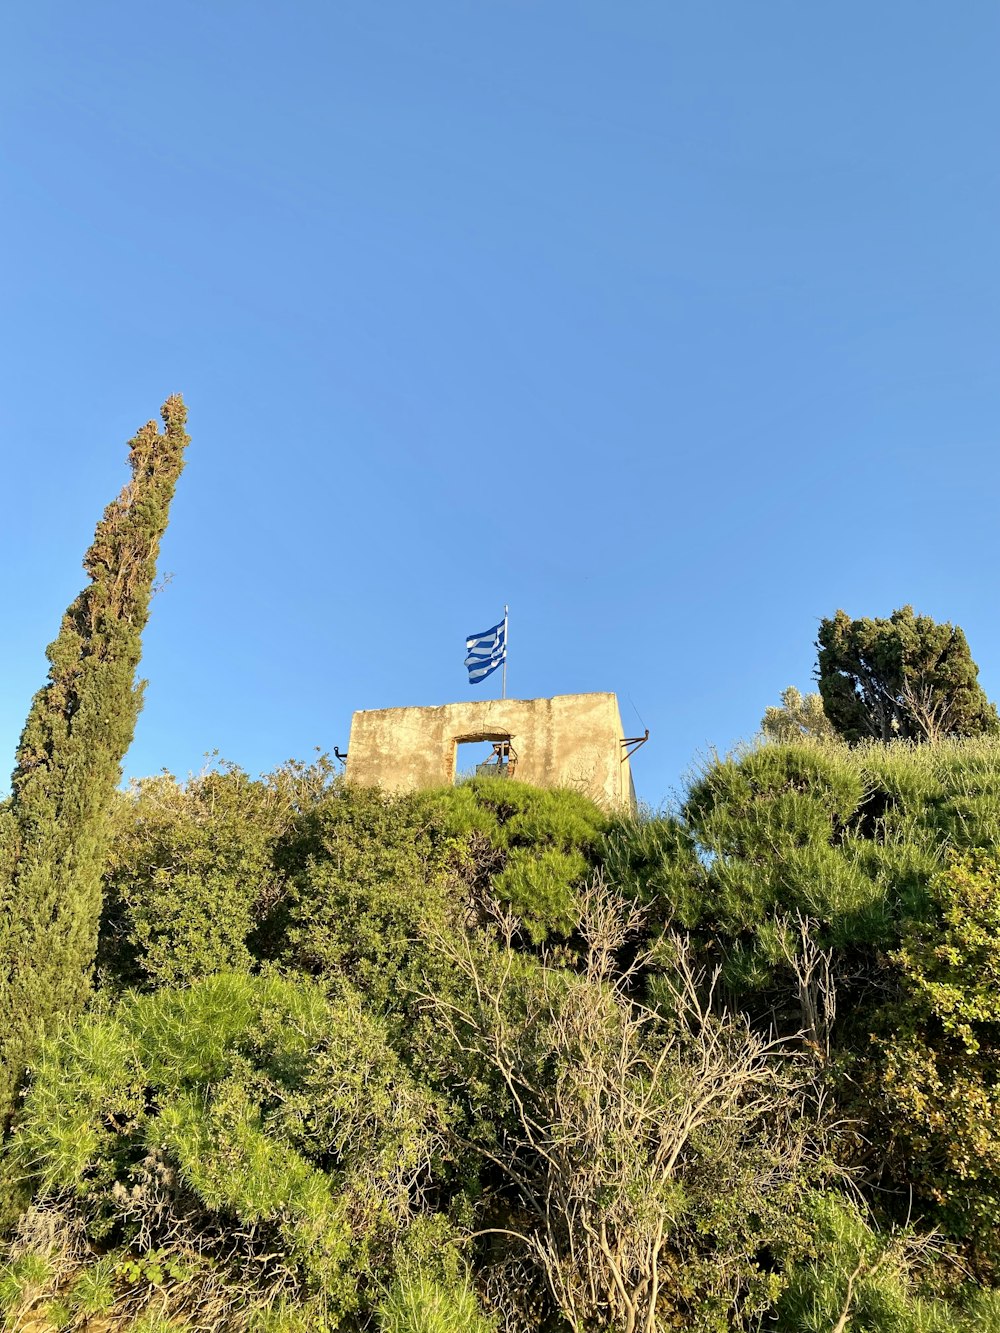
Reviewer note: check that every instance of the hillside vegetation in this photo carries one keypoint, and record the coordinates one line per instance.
(286, 1055)
(486, 1056)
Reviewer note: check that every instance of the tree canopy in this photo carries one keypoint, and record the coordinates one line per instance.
(799, 716)
(902, 678)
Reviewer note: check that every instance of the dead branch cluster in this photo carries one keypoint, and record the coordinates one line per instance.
(608, 1097)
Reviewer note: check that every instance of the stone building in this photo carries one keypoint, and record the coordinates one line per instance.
(572, 740)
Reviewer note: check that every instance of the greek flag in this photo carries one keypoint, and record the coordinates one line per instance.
(486, 651)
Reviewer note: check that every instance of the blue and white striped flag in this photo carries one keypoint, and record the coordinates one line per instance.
(486, 651)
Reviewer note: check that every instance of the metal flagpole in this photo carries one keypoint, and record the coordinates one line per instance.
(503, 677)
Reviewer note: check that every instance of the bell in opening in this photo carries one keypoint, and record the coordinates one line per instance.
(501, 763)
(485, 759)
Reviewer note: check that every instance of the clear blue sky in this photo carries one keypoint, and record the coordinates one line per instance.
(673, 324)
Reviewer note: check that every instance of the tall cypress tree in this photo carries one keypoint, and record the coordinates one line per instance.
(69, 762)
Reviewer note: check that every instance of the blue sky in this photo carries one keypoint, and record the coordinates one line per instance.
(674, 325)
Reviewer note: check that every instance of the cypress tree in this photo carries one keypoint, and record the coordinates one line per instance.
(68, 763)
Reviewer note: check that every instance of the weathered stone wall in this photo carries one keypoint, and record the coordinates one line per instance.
(573, 740)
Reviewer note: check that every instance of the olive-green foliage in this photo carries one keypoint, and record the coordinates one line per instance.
(242, 1106)
(535, 846)
(419, 1303)
(191, 871)
(853, 841)
(22, 1281)
(431, 1291)
(904, 678)
(372, 875)
(935, 1083)
(366, 875)
(860, 1278)
(377, 882)
(849, 837)
(621, 1163)
(655, 862)
(287, 1115)
(799, 717)
(771, 825)
(68, 761)
(224, 871)
(93, 1290)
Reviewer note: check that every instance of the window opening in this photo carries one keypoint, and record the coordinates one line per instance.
(492, 758)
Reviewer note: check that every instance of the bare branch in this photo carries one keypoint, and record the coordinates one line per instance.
(607, 1097)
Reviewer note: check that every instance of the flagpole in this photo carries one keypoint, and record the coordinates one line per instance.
(503, 678)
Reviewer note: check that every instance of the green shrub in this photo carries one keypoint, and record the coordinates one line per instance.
(293, 1316)
(23, 1280)
(371, 874)
(367, 873)
(418, 1303)
(540, 889)
(934, 1084)
(844, 851)
(192, 874)
(93, 1290)
(654, 861)
(248, 1105)
(528, 847)
(860, 1278)
(849, 837)
(629, 1151)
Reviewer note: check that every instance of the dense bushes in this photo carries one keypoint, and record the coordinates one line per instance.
(486, 1058)
(364, 872)
(648, 1156)
(934, 1081)
(869, 855)
(860, 1277)
(257, 1137)
(225, 872)
(191, 872)
(847, 837)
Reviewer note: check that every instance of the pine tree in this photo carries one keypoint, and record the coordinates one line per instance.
(69, 762)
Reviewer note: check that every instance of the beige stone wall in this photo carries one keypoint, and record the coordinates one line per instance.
(573, 740)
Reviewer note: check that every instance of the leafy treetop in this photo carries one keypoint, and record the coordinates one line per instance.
(905, 678)
(799, 717)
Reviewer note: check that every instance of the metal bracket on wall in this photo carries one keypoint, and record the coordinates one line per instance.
(632, 743)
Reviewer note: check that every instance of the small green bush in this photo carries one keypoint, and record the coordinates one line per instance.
(418, 1303)
(21, 1280)
(883, 1282)
(93, 1290)
(249, 1103)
